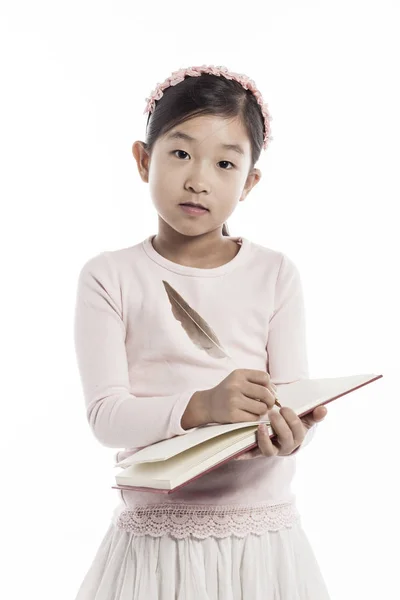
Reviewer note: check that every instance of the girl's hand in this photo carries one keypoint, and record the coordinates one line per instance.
(244, 395)
(290, 429)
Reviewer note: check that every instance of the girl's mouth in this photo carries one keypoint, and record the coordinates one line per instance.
(193, 210)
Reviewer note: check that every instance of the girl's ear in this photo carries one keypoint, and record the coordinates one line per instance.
(142, 159)
(252, 179)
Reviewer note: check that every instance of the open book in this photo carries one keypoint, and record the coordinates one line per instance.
(170, 464)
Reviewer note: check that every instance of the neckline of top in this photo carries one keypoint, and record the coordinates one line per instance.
(238, 259)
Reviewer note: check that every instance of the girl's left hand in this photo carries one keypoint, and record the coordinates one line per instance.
(290, 429)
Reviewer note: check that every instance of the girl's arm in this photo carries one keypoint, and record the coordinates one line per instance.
(286, 343)
(117, 418)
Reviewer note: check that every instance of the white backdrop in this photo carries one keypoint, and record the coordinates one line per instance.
(74, 80)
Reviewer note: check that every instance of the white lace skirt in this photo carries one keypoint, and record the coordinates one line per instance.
(276, 565)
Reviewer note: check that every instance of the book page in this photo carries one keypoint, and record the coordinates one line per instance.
(307, 393)
(173, 446)
(183, 466)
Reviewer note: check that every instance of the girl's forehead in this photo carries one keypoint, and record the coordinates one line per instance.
(227, 133)
(213, 122)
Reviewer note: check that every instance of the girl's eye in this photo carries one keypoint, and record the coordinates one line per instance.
(222, 161)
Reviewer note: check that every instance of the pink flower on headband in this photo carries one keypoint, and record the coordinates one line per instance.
(244, 80)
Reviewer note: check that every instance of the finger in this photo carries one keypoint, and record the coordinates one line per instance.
(257, 376)
(259, 392)
(295, 424)
(283, 430)
(318, 415)
(254, 406)
(265, 444)
(244, 415)
(308, 422)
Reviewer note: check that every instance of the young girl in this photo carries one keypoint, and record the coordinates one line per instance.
(147, 375)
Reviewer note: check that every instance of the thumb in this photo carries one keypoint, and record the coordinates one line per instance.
(317, 415)
(320, 413)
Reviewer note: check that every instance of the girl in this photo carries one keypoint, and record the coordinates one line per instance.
(234, 533)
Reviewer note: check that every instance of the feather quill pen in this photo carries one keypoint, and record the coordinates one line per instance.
(195, 326)
(197, 329)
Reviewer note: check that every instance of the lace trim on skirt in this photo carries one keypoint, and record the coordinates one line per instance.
(201, 521)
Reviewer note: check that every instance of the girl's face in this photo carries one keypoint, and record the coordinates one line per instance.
(201, 170)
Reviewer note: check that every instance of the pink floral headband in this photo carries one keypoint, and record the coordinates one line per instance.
(248, 84)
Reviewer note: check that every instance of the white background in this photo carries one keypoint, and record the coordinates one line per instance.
(74, 79)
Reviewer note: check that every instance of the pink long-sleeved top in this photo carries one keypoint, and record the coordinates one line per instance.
(139, 369)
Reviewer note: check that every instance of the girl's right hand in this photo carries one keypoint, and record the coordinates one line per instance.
(244, 395)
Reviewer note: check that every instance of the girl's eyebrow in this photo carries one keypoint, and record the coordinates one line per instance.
(184, 136)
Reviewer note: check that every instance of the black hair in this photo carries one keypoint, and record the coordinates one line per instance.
(207, 94)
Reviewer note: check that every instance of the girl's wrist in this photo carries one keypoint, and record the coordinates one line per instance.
(196, 413)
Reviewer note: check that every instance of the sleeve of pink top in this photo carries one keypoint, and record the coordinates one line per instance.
(117, 418)
(287, 336)
(286, 344)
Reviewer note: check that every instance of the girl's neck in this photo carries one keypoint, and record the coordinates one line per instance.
(204, 252)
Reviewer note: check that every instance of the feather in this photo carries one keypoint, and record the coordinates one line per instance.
(195, 326)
